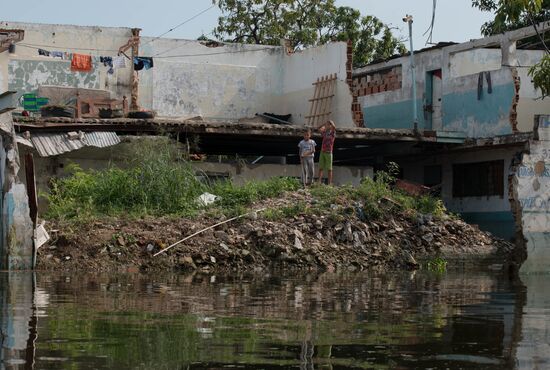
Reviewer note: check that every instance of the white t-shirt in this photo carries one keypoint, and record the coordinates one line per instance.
(307, 146)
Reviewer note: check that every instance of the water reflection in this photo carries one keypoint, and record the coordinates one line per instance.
(327, 321)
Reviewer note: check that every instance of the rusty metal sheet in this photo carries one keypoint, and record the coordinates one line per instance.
(51, 144)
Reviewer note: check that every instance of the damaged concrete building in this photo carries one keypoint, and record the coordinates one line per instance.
(476, 96)
(476, 139)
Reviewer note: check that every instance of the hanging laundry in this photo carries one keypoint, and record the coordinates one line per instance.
(142, 62)
(43, 52)
(119, 62)
(57, 54)
(81, 63)
(107, 62)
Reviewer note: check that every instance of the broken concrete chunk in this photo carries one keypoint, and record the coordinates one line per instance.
(298, 243)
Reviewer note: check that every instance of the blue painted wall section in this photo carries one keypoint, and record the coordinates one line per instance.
(501, 224)
(462, 112)
(488, 116)
(394, 115)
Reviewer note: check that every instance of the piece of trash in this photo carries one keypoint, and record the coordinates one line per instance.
(206, 199)
(40, 236)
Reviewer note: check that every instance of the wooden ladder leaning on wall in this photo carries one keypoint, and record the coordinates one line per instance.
(321, 104)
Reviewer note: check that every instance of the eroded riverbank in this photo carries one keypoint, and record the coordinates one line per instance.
(296, 231)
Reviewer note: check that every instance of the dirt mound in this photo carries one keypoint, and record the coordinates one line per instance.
(339, 236)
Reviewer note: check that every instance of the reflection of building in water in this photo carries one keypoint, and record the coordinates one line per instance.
(533, 346)
(18, 321)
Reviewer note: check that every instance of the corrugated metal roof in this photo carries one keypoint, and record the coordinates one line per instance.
(49, 144)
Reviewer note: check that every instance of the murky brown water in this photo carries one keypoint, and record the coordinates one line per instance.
(399, 321)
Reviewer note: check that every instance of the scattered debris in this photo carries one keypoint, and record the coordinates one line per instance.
(328, 238)
(206, 199)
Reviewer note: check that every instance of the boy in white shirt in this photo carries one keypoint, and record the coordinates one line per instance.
(306, 149)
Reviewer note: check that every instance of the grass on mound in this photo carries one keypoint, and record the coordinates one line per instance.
(158, 182)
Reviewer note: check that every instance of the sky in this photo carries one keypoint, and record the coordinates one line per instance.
(456, 20)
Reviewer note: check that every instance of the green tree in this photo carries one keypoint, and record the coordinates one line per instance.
(305, 23)
(514, 14)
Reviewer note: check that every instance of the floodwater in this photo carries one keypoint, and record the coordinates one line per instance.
(419, 320)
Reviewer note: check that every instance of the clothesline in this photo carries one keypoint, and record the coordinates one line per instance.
(84, 62)
(157, 56)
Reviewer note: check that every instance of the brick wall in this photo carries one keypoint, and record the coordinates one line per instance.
(377, 82)
(357, 113)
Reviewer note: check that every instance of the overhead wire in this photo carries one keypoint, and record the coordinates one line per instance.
(430, 29)
(179, 25)
(39, 46)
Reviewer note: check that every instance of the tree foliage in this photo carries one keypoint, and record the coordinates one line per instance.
(305, 23)
(514, 14)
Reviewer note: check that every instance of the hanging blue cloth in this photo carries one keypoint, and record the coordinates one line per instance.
(142, 62)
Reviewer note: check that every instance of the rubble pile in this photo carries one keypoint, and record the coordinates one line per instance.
(329, 238)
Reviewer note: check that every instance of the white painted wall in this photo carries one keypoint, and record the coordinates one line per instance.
(303, 68)
(231, 81)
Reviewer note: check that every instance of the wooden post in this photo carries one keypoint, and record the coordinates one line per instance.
(78, 108)
(135, 77)
(125, 105)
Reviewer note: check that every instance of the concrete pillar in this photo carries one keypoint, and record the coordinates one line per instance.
(532, 194)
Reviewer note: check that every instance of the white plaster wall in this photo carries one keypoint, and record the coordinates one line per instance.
(473, 61)
(73, 39)
(230, 81)
(302, 69)
(530, 102)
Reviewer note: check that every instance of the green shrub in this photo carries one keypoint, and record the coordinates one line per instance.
(158, 182)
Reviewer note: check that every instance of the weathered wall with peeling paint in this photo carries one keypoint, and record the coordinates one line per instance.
(25, 70)
(16, 243)
(229, 81)
(491, 114)
(532, 192)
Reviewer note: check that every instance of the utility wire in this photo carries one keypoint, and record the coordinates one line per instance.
(37, 46)
(430, 29)
(179, 25)
(207, 54)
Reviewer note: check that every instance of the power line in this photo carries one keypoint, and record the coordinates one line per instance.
(207, 54)
(430, 29)
(179, 25)
(38, 46)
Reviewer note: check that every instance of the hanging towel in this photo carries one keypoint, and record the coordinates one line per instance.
(81, 63)
(480, 86)
(57, 54)
(119, 62)
(142, 62)
(43, 52)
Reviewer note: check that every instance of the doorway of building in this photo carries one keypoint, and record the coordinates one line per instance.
(433, 101)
